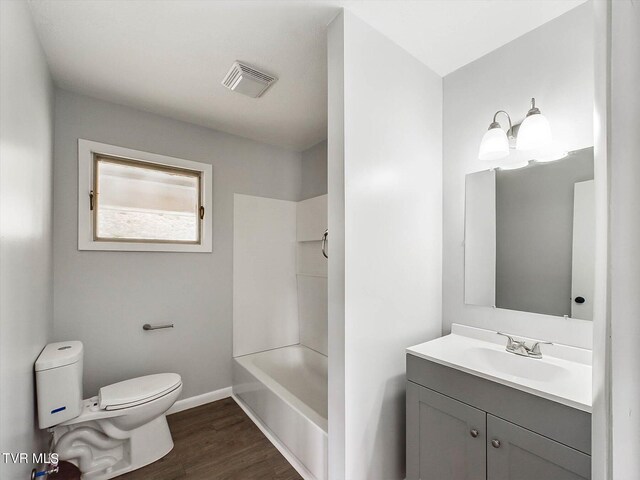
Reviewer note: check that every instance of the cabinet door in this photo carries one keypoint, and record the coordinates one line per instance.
(445, 438)
(515, 453)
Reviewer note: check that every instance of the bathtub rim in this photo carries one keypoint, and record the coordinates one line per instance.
(280, 390)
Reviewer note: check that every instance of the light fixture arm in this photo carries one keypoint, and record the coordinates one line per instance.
(495, 124)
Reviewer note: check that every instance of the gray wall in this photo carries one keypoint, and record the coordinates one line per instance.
(26, 135)
(553, 63)
(314, 171)
(104, 298)
(534, 234)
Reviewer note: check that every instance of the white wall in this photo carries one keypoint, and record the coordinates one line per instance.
(314, 171)
(104, 298)
(336, 266)
(279, 274)
(312, 312)
(554, 64)
(392, 239)
(312, 273)
(312, 266)
(26, 136)
(624, 169)
(265, 298)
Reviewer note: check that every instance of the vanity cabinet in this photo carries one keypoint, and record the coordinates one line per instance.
(463, 427)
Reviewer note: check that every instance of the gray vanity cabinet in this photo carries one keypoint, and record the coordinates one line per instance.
(448, 437)
(462, 427)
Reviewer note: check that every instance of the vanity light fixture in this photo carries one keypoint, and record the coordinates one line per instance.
(534, 132)
(495, 142)
(532, 135)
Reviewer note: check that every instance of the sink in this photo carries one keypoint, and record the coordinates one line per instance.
(563, 374)
(518, 366)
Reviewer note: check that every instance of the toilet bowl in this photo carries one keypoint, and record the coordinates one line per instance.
(121, 429)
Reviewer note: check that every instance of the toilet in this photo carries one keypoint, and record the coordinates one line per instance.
(121, 429)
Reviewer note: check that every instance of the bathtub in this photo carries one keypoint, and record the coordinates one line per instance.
(286, 390)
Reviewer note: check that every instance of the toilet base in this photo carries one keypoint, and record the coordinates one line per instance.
(144, 445)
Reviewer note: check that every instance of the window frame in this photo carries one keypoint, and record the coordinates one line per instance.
(88, 153)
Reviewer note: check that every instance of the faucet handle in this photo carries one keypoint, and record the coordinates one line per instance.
(535, 348)
(510, 340)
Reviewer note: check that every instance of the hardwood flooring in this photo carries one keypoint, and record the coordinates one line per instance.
(217, 441)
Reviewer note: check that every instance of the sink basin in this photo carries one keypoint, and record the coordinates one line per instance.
(563, 374)
(518, 366)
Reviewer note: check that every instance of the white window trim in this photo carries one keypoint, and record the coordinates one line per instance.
(87, 148)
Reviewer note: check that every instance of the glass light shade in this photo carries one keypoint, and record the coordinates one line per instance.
(494, 145)
(534, 133)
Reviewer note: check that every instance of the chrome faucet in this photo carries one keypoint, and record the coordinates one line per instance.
(520, 347)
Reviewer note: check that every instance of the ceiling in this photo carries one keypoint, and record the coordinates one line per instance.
(169, 56)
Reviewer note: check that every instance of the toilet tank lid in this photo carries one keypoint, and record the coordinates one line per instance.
(59, 354)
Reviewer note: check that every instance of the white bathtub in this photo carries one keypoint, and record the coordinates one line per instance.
(286, 389)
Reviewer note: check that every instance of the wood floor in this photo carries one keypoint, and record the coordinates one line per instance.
(217, 441)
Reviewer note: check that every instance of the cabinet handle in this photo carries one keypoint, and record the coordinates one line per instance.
(495, 443)
(474, 433)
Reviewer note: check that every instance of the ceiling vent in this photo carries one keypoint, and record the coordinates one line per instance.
(247, 80)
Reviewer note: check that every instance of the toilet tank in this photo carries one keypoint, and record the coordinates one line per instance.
(59, 383)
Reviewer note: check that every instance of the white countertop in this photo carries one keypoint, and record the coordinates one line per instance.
(562, 375)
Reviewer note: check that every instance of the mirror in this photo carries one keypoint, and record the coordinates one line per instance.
(530, 237)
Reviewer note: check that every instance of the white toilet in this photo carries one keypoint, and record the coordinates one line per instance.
(121, 429)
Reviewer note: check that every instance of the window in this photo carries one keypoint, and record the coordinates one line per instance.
(141, 201)
(137, 201)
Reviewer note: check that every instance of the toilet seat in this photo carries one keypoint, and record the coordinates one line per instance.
(137, 391)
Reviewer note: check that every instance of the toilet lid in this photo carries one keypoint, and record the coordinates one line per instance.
(137, 391)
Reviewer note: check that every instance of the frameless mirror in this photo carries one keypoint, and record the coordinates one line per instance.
(529, 237)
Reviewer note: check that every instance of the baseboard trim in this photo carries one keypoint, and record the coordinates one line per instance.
(286, 453)
(192, 402)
